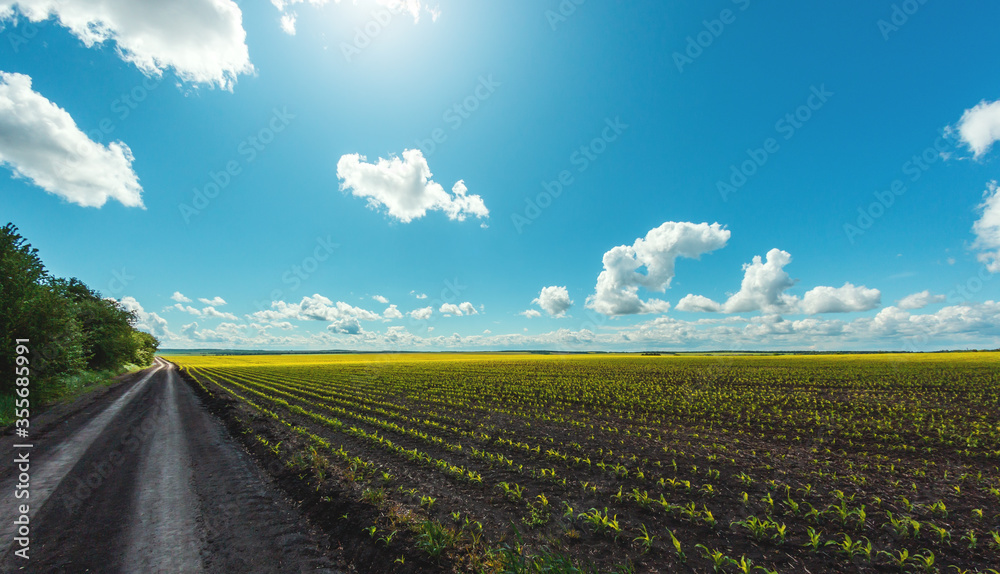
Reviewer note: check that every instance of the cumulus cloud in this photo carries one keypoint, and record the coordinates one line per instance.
(763, 289)
(179, 297)
(698, 304)
(209, 312)
(465, 308)
(213, 313)
(987, 229)
(380, 299)
(190, 330)
(146, 321)
(342, 317)
(966, 325)
(764, 284)
(618, 284)
(214, 301)
(982, 319)
(202, 41)
(184, 309)
(288, 23)
(531, 313)
(919, 300)
(844, 299)
(39, 141)
(413, 8)
(422, 314)
(418, 295)
(979, 127)
(404, 188)
(392, 313)
(553, 300)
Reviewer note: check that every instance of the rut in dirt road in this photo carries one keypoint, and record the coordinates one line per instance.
(146, 480)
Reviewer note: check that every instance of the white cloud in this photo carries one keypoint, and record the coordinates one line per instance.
(465, 308)
(214, 301)
(554, 300)
(979, 127)
(531, 313)
(617, 287)
(987, 229)
(346, 325)
(208, 312)
(412, 7)
(39, 141)
(959, 326)
(213, 313)
(763, 289)
(982, 319)
(392, 313)
(404, 188)
(418, 295)
(146, 321)
(342, 317)
(179, 297)
(698, 304)
(919, 300)
(764, 284)
(190, 330)
(288, 23)
(380, 299)
(422, 314)
(844, 299)
(185, 309)
(202, 41)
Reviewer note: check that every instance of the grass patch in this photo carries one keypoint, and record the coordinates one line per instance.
(66, 389)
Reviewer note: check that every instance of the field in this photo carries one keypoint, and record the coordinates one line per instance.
(549, 463)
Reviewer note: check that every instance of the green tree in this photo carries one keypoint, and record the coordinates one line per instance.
(107, 327)
(69, 326)
(21, 275)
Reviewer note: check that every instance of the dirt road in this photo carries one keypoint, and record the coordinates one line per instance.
(143, 479)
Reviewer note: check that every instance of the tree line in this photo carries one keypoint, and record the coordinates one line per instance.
(72, 329)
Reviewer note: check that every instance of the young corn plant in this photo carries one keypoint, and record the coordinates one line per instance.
(512, 491)
(780, 533)
(677, 546)
(744, 565)
(718, 560)
(708, 518)
(645, 540)
(601, 522)
(901, 526)
(900, 559)
(971, 538)
(433, 538)
(852, 548)
(815, 541)
(925, 561)
(944, 535)
(757, 527)
(939, 508)
(793, 506)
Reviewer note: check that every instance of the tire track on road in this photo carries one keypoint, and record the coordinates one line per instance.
(48, 473)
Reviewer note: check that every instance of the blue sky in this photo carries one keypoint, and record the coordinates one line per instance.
(690, 140)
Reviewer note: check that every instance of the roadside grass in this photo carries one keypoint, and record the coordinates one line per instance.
(68, 389)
